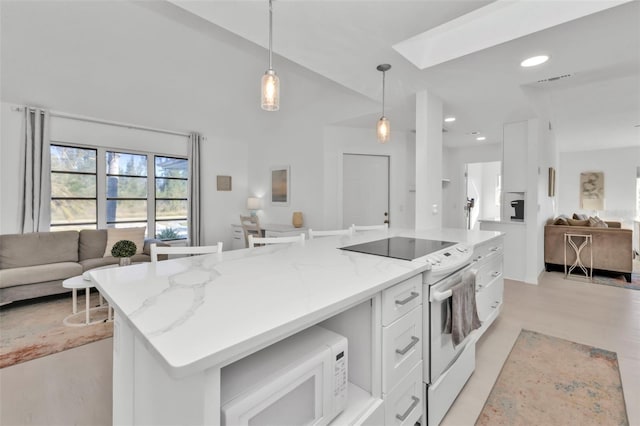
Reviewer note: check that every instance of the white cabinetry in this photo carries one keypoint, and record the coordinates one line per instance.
(488, 267)
(514, 157)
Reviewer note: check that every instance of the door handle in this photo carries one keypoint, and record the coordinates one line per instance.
(404, 350)
(415, 402)
(408, 299)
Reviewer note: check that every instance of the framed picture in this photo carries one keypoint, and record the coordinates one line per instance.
(280, 185)
(592, 191)
(223, 183)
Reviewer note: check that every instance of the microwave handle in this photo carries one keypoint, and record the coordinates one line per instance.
(415, 402)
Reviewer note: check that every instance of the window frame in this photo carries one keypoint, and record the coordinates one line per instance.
(94, 174)
(101, 184)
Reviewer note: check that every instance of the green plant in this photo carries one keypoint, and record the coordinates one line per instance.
(124, 248)
(168, 234)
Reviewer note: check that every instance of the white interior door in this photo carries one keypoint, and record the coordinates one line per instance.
(365, 189)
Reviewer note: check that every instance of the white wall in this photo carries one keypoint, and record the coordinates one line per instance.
(401, 150)
(162, 67)
(619, 168)
(453, 192)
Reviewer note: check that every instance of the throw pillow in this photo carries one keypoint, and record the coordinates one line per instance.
(561, 220)
(596, 222)
(575, 222)
(580, 216)
(132, 234)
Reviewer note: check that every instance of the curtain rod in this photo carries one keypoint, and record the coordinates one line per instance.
(106, 122)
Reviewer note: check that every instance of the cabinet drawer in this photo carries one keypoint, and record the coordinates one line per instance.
(404, 406)
(400, 299)
(401, 348)
(489, 298)
(487, 249)
(488, 270)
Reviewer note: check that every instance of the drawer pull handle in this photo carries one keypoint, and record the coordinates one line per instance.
(404, 350)
(496, 274)
(409, 410)
(408, 299)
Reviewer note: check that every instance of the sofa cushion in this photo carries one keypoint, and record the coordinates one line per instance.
(580, 216)
(38, 248)
(132, 234)
(561, 220)
(576, 222)
(92, 243)
(39, 273)
(110, 260)
(596, 222)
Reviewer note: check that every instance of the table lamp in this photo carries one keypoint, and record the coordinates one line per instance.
(254, 204)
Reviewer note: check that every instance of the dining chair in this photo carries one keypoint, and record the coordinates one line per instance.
(313, 234)
(156, 250)
(356, 228)
(250, 226)
(253, 241)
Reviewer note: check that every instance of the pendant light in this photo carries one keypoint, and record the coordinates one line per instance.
(384, 126)
(270, 80)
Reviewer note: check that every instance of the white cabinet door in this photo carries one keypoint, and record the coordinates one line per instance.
(514, 161)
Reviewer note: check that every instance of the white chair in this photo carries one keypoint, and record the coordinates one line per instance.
(253, 241)
(356, 228)
(313, 234)
(156, 250)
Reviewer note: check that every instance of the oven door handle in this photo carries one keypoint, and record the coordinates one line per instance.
(439, 296)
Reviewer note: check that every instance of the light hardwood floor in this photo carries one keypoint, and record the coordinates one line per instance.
(74, 386)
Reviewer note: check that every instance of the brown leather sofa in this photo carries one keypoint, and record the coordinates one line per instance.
(612, 247)
(35, 264)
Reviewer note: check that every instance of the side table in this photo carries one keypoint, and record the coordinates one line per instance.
(587, 241)
(74, 284)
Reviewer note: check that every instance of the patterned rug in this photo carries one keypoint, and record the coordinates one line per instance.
(619, 281)
(33, 330)
(551, 381)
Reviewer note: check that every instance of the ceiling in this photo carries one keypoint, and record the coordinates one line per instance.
(598, 106)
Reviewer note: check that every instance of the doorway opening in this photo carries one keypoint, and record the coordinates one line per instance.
(483, 192)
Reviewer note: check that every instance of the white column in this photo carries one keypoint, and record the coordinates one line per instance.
(428, 161)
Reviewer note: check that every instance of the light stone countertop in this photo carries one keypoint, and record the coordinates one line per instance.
(202, 311)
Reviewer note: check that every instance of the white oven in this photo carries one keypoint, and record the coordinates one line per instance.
(301, 380)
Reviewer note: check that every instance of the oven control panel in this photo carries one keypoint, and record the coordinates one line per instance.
(449, 260)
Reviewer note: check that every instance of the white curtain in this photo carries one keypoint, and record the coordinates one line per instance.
(195, 231)
(35, 182)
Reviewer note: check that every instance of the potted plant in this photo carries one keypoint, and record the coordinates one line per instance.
(124, 249)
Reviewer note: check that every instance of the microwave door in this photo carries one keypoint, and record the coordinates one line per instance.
(300, 392)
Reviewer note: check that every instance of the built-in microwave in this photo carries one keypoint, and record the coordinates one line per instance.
(301, 380)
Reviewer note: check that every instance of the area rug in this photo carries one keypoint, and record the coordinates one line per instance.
(33, 330)
(619, 281)
(550, 381)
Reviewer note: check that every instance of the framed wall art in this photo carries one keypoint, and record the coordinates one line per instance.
(280, 185)
(592, 191)
(223, 183)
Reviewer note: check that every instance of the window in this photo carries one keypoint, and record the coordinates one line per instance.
(126, 189)
(134, 189)
(171, 175)
(73, 188)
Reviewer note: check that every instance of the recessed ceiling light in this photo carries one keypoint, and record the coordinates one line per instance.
(450, 119)
(481, 138)
(534, 60)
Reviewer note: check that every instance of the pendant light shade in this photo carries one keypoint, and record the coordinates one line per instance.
(384, 126)
(270, 80)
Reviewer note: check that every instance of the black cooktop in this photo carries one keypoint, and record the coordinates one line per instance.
(400, 247)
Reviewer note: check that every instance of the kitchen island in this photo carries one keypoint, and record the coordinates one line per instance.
(178, 323)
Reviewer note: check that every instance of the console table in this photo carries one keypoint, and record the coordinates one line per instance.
(269, 230)
(587, 242)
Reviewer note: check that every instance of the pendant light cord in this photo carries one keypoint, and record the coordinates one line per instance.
(270, 31)
(383, 75)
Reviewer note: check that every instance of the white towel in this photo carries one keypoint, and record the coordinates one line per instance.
(462, 315)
